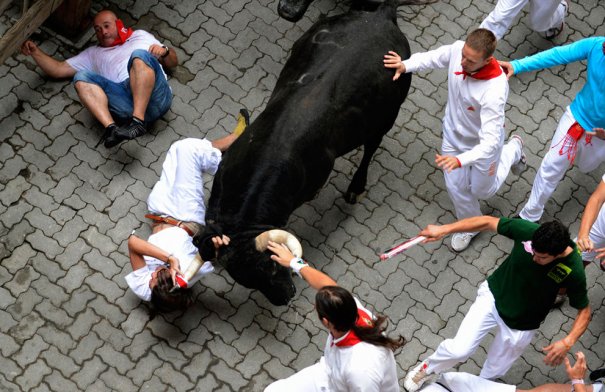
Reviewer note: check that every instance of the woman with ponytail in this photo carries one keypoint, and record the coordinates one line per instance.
(358, 355)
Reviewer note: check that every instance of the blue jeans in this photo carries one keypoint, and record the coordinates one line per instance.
(119, 95)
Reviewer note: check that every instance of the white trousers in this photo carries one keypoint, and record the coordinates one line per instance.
(507, 346)
(311, 379)
(543, 15)
(467, 185)
(554, 165)
(179, 192)
(465, 382)
(597, 236)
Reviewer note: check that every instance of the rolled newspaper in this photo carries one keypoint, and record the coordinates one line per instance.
(402, 247)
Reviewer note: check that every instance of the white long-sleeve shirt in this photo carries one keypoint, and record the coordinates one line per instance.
(362, 367)
(474, 114)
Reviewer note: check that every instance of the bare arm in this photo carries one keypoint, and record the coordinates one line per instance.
(50, 66)
(169, 61)
(593, 206)
(557, 351)
(315, 278)
(138, 247)
(476, 223)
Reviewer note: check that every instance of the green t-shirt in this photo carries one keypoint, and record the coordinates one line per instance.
(524, 290)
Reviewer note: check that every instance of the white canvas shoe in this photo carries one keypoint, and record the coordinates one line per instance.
(461, 241)
(416, 377)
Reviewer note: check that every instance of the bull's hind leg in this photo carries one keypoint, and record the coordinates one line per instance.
(360, 178)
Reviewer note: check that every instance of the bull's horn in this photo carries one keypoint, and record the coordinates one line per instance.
(194, 266)
(280, 236)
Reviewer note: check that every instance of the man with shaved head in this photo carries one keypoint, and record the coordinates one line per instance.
(121, 81)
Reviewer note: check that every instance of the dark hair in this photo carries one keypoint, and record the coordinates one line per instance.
(551, 237)
(338, 306)
(482, 40)
(165, 301)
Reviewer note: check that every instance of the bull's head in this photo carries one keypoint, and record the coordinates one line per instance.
(249, 262)
(292, 10)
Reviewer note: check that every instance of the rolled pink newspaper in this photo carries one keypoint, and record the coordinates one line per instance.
(402, 247)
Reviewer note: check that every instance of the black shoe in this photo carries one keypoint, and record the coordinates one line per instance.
(598, 375)
(109, 130)
(136, 128)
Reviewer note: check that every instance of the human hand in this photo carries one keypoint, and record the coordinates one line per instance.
(508, 68)
(220, 240)
(433, 233)
(282, 254)
(157, 50)
(175, 267)
(393, 60)
(578, 371)
(598, 132)
(584, 243)
(29, 48)
(447, 162)
(556, 352)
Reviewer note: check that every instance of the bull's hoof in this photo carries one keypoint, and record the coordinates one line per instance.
(352, 197)
(416, 2)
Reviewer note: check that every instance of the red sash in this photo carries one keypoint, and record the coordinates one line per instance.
(489, 71)
(569, 144)
(351, 339)
(123, 33)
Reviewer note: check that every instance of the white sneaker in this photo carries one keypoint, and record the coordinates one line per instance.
(416, 377)
(519, 167)
(460, 241)
(553, 32)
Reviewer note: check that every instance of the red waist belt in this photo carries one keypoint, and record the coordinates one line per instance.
(169, 221)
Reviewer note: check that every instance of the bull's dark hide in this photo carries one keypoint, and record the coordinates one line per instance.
(332, 96)
(293, 10)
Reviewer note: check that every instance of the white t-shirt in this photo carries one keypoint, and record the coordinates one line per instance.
(173, 240)
(112, 62)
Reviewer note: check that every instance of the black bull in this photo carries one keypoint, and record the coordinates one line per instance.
(332, 96)
(293, 10)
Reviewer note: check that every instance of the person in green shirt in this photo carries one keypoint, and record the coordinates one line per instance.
(516, 298)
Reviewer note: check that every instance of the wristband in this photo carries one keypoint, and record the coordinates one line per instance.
(458, 160)
(167, 51)
(567, 346)
(577, 381)
(297, 264)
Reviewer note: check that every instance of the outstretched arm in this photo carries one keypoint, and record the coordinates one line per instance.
(50, 66)
(315, 278)
(476, 223)
(556, 352)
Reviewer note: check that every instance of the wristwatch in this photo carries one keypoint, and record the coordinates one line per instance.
(167, 51)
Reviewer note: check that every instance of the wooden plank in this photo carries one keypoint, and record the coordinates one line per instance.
(72, 18)
(36, 15)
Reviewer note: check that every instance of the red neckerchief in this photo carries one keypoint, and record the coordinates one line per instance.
(350, 338)
(123, 33)
(489, 71)
(569, 144)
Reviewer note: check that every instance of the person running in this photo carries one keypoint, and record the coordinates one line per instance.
(358, 355)
(545, 16)
(474, 158)
(515, 298)
(580, 135)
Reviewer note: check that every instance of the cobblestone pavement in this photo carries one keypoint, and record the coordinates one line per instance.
(67, 321)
